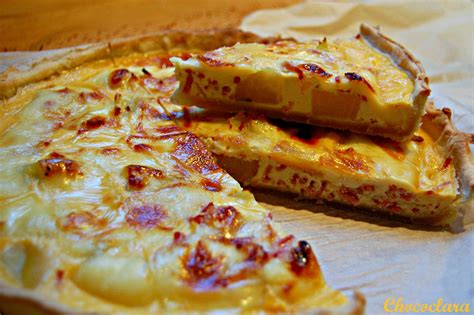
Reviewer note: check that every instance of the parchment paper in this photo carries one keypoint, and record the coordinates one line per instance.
(375, 256)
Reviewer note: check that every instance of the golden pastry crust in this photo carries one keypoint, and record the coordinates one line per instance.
(456, 144)
(405, 60)
(19, 301)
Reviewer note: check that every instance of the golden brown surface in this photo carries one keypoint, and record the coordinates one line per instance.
(38, 25)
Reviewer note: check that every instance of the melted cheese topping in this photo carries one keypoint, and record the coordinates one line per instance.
(107, 205)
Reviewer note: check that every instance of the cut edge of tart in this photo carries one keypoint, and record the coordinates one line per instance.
(428, 179)
(67, 248)
(369, 84)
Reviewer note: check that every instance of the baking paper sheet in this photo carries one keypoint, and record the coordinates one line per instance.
(374, 256)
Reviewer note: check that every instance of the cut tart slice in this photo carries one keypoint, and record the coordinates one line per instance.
(108, 206)
(428, 179)
(368, 84)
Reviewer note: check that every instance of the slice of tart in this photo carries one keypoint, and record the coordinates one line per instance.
(107, 206)
(368, 84)
(428, 178)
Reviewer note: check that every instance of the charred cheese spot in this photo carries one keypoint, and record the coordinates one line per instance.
(143, 148)
(355, 77)
(184, 55)
(85, 97)
(315, 69)
(203, 270)
(169, 130)
(417, 138)
(222, 217)
(179, 238)
(446, 163)
(291, 68)
(148, 111)
(57, 165)
(139, 176)
(116, 111)
(211, 59)
(63, 91)
(119, 77)
(193, 153)
(93, 123)
(303, 262)
(310, 68)
(59, 276)
(211, 185)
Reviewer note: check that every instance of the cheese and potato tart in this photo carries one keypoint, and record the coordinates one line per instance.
(108, 206)
(368, 84)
